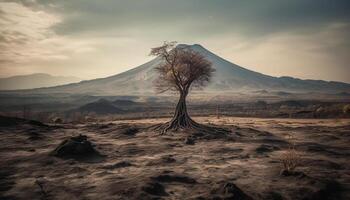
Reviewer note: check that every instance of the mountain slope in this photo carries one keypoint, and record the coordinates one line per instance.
(34, 81)
(228, 77)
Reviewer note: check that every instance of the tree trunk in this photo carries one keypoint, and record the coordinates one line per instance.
(181, 119)
(181, 115)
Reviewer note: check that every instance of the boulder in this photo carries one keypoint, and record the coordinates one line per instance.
(74, 147)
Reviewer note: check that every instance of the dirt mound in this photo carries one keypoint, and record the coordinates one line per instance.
(75, 147)
(125, 103)
(99, 107)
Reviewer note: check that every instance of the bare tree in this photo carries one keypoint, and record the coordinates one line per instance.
(182, 69)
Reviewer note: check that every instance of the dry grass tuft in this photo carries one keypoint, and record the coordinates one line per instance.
(290, 159)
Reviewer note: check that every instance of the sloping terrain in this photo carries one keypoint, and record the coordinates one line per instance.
(102, 106)
(139, 164)
(35, 81)
(229, 77)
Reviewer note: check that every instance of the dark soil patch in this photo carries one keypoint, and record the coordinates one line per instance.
(329, 190)
(226, 150)
(229, 191)
(298, 174)
(14, 121)
(264, 148)
(130, 131)
(35, 136)
(190, 141)
(168, 159)
(6, 182)
(167, 178)
(121, 164)
(323, 149)
(154, 188)
(325, 164)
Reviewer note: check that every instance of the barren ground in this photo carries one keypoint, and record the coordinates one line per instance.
(146, 165)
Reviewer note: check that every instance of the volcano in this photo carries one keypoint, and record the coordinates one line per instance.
(228, 77)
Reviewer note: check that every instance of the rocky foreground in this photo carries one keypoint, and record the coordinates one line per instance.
(123, 160)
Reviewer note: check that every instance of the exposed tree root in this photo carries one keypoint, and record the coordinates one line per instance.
(188, 124)
(182, 121)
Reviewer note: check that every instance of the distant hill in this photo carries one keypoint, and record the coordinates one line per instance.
(35, 81)
(101, 106)
(228, 78)
(122, 103)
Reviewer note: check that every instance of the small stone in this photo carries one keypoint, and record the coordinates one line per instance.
(189, 141)
(231, 191)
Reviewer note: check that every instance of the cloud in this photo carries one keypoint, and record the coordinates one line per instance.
(304, 54)
(22, 32)
(91, 39)
(195, 17)
(26, 35)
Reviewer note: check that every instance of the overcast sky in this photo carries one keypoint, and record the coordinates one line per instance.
(307, 39)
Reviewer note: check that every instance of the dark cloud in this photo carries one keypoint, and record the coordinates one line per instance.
(312, 33)
(205, 17)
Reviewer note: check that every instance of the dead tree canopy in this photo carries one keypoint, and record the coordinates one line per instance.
(182, 69)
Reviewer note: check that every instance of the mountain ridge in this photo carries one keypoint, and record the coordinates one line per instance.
(228, 77)
(36, 80)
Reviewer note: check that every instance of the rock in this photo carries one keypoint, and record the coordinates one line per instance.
(154, 188)
(130, 131)
(266, 148)
(189, 141)
(74, 146)
(233, 192)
